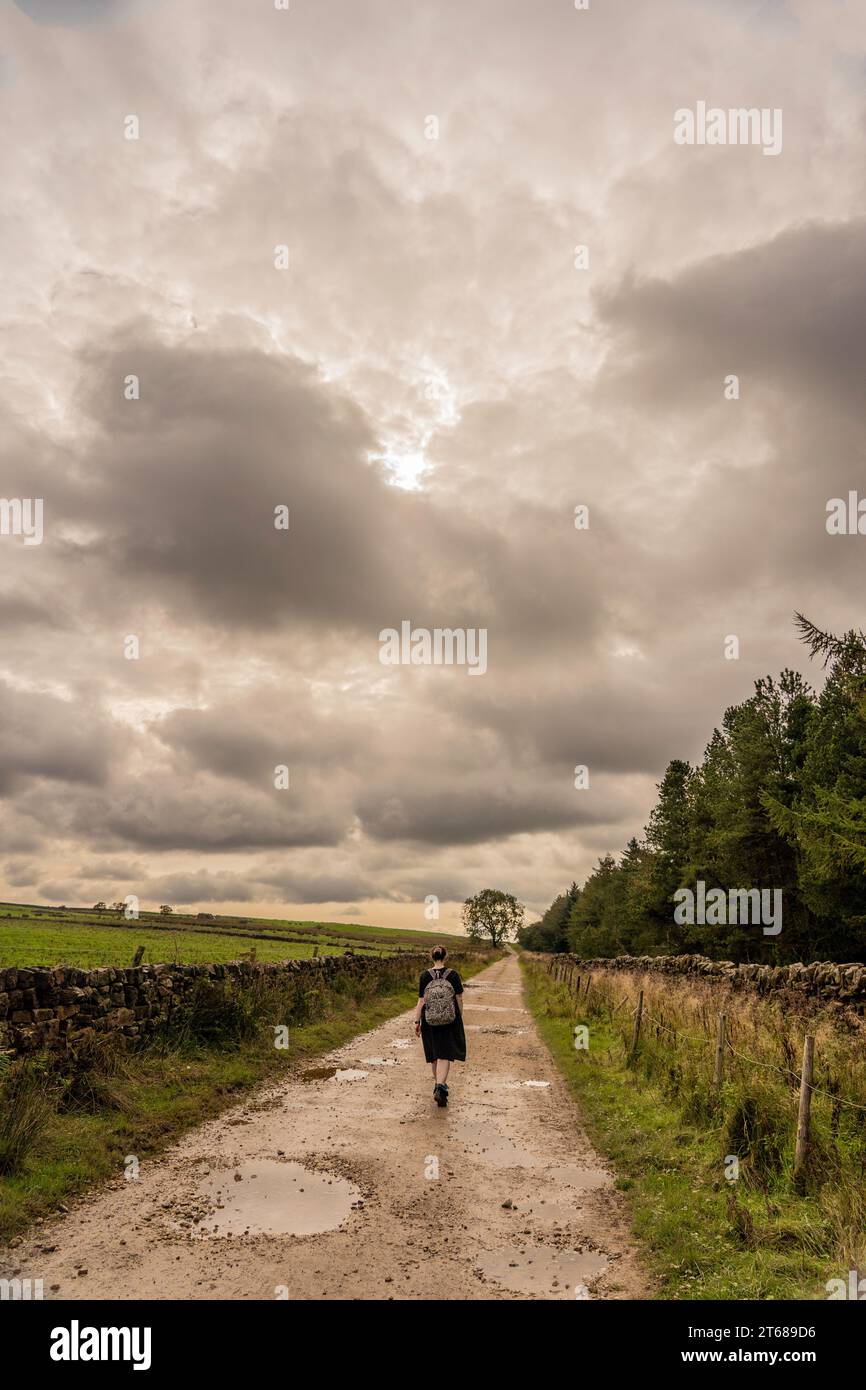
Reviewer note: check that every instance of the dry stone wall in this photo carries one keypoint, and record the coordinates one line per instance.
(60, 1007)
(821, 981)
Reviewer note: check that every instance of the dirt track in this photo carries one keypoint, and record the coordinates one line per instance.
(370, 1147)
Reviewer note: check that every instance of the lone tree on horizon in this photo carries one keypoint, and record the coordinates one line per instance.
(494, 914)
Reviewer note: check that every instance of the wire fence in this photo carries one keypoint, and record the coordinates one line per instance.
(722, 1047)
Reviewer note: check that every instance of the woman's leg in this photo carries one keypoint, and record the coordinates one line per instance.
(433, 1069)
(441, 1069)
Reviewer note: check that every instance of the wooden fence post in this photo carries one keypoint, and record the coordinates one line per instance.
(635, 1037)
(136, 960)
(801, 1152)
(719, 1071)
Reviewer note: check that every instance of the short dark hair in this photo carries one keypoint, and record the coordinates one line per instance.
(439, 953)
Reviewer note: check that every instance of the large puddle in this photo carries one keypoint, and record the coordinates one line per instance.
(264, 1197)
(551, 1273)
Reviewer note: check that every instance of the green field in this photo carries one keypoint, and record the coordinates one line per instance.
(48, 936)
(91, 946)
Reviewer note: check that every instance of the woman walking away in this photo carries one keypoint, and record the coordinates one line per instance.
(439, 1020)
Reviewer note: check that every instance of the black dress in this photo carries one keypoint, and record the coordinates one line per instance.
(447, 1042)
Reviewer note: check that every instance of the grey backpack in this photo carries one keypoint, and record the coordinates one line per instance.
(439, 1005)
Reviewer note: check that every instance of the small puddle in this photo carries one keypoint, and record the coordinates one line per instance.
(553, 1273)
(333, 1074)
(270, 1198)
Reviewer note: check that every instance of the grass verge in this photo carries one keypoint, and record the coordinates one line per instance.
(703, 1236)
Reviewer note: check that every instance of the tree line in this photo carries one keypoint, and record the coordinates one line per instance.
(778, 803)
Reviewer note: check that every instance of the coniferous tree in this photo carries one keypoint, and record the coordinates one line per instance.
(778, 802)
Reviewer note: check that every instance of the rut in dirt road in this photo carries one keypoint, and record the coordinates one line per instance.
(349, 1182)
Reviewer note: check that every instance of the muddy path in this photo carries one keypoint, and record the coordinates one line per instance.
(350, 1183)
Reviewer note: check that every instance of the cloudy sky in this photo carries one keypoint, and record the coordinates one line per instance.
(431, 386)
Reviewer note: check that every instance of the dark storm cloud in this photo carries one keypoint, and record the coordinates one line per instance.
(480, 813)
(616, 720)
(251, 737)
(303, 887)
(102, 869)
(19, 835)
(172, 506)
(18, 609)
(181, 889)
(787, 314)
(395, 763)
(747, 513)
(209, 815)
(42, 736)
(17, 874)
(183, 484)
(57, 893)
